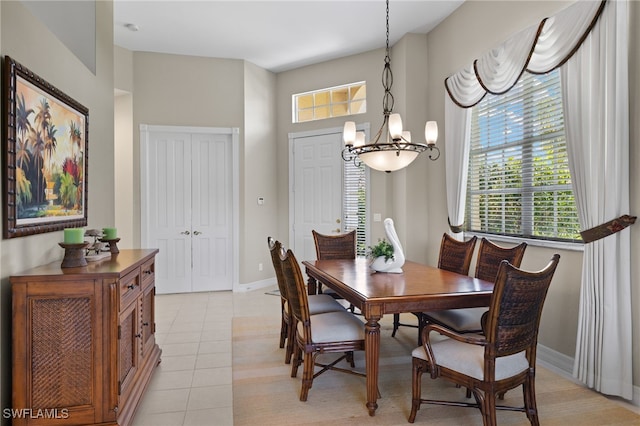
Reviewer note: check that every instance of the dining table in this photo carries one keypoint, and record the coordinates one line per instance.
(418, 288)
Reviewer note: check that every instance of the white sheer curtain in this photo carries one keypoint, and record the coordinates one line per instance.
(595, 85)
(596, 90)
(457, 160)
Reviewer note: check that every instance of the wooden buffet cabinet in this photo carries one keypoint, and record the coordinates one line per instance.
(83, 340)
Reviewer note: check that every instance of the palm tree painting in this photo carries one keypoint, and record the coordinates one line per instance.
(50, 146)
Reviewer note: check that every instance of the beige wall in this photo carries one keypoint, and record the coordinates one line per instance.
(259, 173)
(29, 42)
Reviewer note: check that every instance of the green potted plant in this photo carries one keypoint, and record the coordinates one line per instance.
(382, 249)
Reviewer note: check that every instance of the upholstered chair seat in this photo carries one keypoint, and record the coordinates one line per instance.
(463, 320)
(335, 327)
(469, 359)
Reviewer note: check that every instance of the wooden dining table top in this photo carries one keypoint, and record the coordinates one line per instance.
(419, 287)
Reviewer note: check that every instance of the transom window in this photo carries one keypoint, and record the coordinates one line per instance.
(335, 101)
(519, 182)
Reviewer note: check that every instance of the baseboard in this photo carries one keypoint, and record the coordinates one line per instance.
(562, 365)
(269, 282)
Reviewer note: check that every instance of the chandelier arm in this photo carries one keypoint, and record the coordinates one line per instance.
(431, 156)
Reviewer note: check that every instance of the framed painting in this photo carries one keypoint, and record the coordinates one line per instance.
(45, 157)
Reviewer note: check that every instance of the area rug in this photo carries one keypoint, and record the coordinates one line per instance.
(265, 394)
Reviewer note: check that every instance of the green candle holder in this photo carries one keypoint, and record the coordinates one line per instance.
(113, 245)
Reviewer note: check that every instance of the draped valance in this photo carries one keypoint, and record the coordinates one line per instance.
(537, 49)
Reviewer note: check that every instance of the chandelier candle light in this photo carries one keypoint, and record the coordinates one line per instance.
(395, 151)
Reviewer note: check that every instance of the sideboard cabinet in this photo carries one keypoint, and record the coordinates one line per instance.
(83, 342)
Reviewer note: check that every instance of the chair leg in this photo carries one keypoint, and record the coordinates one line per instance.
(416, 386)
(283, 324)
(350, 359)
(283, 331)
(530, 400)
(307, 375)
(396, 324)
(421, 324)
(489, 409)
(297, 359)
(291, 336)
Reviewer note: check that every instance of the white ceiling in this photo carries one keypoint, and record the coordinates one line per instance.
(275, 35)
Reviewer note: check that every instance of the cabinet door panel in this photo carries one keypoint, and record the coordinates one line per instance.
(128, 347)
(61, 352)
(148, 315)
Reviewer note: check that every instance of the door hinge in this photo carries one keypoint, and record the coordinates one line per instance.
(119, 332)
(119, 387)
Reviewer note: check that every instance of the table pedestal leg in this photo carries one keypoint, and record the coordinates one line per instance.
(372, 357)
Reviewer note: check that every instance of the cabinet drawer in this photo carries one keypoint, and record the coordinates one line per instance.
(148, 271)
(129, 288)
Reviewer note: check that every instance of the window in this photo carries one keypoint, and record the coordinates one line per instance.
(519, 182)
(332, 102)
(354, 204)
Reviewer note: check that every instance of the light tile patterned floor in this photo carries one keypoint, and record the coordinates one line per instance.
(193, 383)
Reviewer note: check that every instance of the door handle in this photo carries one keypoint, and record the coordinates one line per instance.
(185, 233)
(197, 232)
(337, 230)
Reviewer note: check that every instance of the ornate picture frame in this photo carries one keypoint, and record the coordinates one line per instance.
(45, 161)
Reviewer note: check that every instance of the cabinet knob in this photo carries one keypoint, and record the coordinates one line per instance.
(138, 335)
(146, 324)
(197, 232)
(148, 272)
(185, 233)
(131, 286)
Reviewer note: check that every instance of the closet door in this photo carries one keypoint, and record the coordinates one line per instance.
(166, 220)
(187, 209)
(211, 195)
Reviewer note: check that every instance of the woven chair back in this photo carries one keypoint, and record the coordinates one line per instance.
(490, 255)
(296, 290)
(516, 307)
(329, 247)
(274, 248)
(455, 256)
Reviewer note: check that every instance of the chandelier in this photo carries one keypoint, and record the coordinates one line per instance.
(395, 150)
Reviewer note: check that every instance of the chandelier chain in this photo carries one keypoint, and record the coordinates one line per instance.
(387, 76)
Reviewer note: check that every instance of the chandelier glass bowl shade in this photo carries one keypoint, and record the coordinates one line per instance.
(391, 148)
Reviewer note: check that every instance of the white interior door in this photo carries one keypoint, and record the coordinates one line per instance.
(187, 198)
(166, 224)
(211, 195)
(317, 189)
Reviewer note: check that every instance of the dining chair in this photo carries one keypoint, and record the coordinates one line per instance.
(454, 256)
(331, 247)
(490, 255)
(319, 303)
(332, 332)
(501, 359)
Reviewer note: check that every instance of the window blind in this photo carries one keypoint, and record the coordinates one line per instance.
(519, 182)
(354, 204)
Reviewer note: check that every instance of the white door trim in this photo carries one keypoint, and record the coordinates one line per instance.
(146, 129)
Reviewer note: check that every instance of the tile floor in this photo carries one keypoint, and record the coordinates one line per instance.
(193, 383)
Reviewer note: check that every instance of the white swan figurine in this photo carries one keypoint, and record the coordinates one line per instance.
(392, 265)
